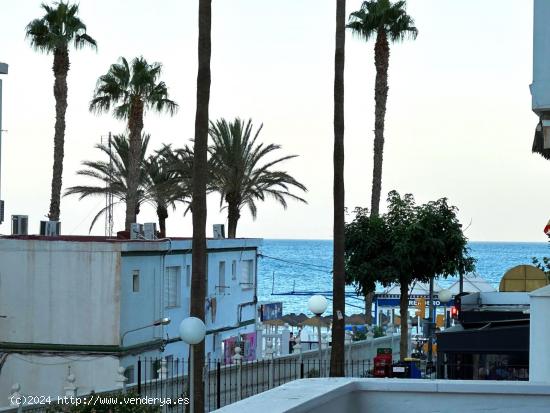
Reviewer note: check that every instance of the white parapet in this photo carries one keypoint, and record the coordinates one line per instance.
(539, 335)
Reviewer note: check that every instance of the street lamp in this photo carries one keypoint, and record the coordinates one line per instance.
(192, 331)
(3, 71)
(318, 304)
(160, 322)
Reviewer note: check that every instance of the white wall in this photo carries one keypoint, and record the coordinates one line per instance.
(540, 88)
(41, 375)
(398, 396)
(59, 292)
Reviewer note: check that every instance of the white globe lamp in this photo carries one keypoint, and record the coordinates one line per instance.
(317, 304)
(192, 330)
(445, 296)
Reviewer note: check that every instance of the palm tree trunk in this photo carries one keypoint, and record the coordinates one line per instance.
(233, 216)
(404, 315)
(200, 172)
(135, 125)
(162, 214)
(381, 61)
(60, 70)
(338, 280)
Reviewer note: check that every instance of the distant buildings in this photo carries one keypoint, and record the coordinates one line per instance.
(81, 302)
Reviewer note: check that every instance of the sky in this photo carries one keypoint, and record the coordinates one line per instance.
(458, 124)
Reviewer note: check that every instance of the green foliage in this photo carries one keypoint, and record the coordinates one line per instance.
(382, 15)
(409, 243)
(359, 335)
(59, 26)
(312, 373)
(129, 85)
(378, 331)
(544, 265)
(368, 252)
(240, 171)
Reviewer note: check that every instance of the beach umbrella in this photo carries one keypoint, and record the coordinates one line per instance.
(277, 322)
(315, 321)
(356, 319)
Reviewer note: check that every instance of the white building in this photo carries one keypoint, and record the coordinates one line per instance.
(72, 302)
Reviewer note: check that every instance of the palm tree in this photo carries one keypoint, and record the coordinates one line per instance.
(387, 22)
(132, 89)
(113, 175)
(53, 33)
(238, 173)
(338, 276)
(164, 184)
(198, 203)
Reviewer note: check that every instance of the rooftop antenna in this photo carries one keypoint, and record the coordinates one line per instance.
(3, 71)
(109, 194)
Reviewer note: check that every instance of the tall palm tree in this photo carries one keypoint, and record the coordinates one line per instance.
(163, 185)
(132, 89)
(198, 206)
(238, 173)
(53, 33)
(386, 21)
(113, 175)
(338, 276)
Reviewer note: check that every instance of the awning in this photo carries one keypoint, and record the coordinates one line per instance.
(491, 338)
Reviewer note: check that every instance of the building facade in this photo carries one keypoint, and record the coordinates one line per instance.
(86, 306)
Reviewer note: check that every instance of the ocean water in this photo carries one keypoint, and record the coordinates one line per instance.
(305, 266)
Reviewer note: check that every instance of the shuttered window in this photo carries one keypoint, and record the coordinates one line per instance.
(172, 286)
(247, 274)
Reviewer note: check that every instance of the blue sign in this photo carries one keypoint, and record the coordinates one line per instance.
(271, 311)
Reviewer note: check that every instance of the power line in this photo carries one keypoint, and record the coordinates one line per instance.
(321, 268)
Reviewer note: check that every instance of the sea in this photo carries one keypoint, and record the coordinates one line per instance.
(290, 271)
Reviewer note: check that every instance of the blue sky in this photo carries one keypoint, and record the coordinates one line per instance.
(459, 122)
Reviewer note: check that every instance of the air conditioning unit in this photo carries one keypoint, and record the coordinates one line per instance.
(136, 231)
(19, 225)
(150, 230)
(219, 231)
(50, 228)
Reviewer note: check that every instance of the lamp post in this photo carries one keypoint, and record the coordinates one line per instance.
(192, 331)
(160, 322)
(443, 296)
(318, 304)
(3, 71)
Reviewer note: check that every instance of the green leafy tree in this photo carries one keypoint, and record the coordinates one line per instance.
(386, 22)
(368, 254)
(53, 34)
(427, 242)
(131, 89)
(240, 173)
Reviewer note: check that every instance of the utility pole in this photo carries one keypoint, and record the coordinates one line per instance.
(3, 71)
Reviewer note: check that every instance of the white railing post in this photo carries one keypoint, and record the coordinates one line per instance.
(285, 341)
(348, 341)
(162, 370)
(238, 359)
(269, 355)
(70, 388)
(121, 379)
(15, 397)
(298, 347)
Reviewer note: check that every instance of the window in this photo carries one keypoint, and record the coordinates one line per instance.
(135, 281)
(221, 278)
(172, 286)
(234, 270)
(247, 274)
(188, 275)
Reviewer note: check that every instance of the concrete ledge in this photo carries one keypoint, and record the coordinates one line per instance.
(408, 395)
